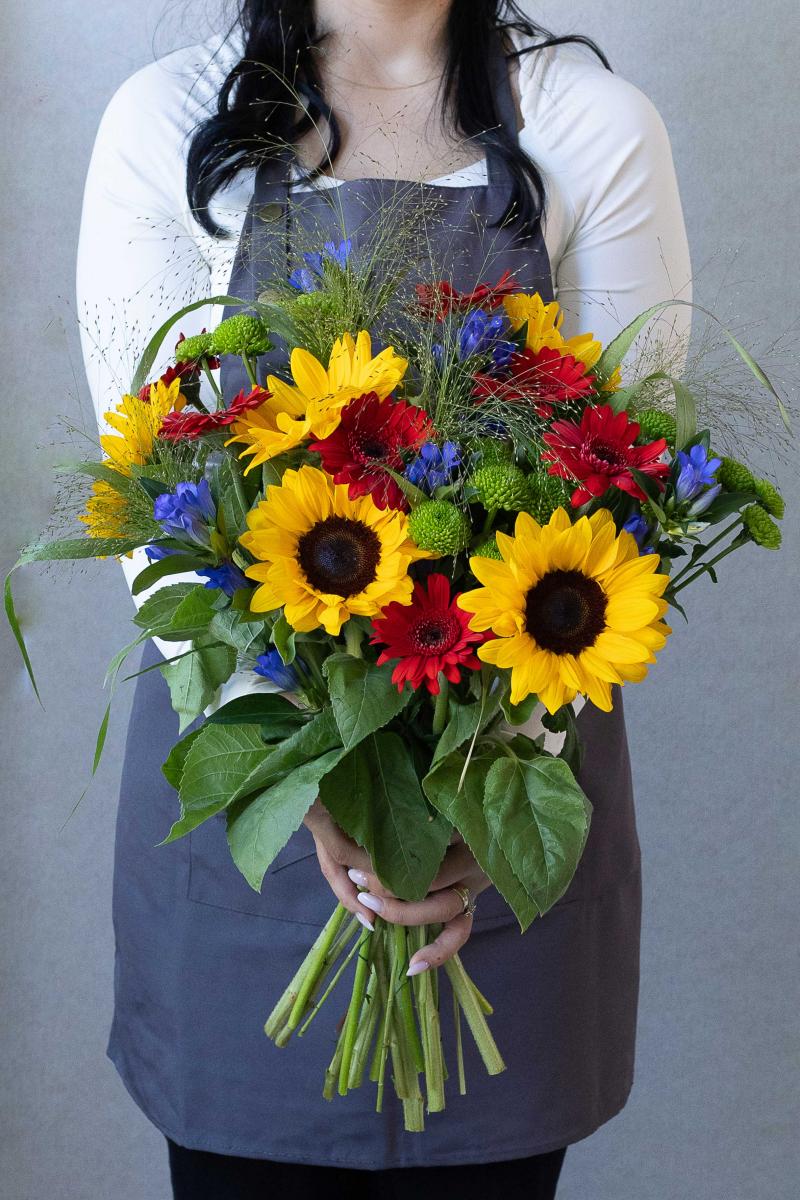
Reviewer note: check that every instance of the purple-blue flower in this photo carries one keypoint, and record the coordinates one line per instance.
(188, 513)
(637, 526)
(305, 279)
(273, 668)
(434, 466)
(696, 472)
(482, 333)
(154, 553)
(227, 577)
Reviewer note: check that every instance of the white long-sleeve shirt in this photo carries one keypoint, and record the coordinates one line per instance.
(614, 227)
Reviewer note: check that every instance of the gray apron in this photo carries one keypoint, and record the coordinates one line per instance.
(201, 958)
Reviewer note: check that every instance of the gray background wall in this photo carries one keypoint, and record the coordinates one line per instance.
(714, 733)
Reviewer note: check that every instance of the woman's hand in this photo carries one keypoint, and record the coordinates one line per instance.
(443, 905)
(345, 864)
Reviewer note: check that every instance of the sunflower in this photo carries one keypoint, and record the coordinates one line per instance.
(544, 323)
(324, 557)
(106, 512)
(312, 405)
(574, 608)
(137, 423)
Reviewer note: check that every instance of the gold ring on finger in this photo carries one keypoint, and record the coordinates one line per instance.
(466, 899)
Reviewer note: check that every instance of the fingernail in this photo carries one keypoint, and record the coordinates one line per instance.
(367, 924)
(373, 902)
(417, 968)
(358, 877)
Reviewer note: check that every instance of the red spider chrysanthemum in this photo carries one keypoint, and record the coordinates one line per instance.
(178, 426)
(187, 370)
(431, 636)
(600, 453)
(371, 435)
(543, 378)
(441, 298)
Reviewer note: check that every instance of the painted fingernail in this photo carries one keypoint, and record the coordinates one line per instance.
(367, 924)
(417, 968)
(358, 877)
(373, 902)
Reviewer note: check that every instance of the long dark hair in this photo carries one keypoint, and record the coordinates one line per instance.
(255, 114)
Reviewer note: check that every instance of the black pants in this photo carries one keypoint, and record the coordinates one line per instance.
(198, 1175)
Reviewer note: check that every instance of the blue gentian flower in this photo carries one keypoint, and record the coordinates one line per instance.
(696, 472)
(273, 668)
(188, 513)
(227, 577)
(705, 500)
(640, 530)
(482, 333)
(154, 553)
(434, 466)
(305, 279)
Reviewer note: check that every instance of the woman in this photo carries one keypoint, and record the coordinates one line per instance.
(569, 167)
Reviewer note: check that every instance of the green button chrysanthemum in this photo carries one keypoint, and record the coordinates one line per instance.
(241, 334)
(494, 450)
(770, 498)
(501, 485)
(546, 494)
(654, 424)
(192, 348)
(488, 549)
(735, 476)
(439, 526)
(761, 527)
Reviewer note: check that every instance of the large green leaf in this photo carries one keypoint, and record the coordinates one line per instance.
(194, 678)
(232, 500)
(375, 796)
(158, 610)
(685, 414)
(245, 632)
(172, 768)
(462, 804)
(276, 715)
(260, 826)
(69, 548)
(318, 737)
(215, 761)
(540, 817)
(465, 721)
(192, 617)
(173, 564)
(363, 696)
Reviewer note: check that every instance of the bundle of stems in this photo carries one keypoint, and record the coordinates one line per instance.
(389, 1015)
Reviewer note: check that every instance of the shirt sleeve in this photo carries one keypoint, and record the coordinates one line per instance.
(138, 257)
(614, 229)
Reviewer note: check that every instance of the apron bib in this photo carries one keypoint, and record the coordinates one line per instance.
(201, 958)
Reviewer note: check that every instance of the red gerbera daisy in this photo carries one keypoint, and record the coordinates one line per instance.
(441, 298)
(544, 378)
(179, 425)
(430, 636)
(371, 435)
(187, 369)
(600, 453)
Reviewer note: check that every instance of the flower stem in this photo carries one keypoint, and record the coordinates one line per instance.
(280, 1013)
(354, 1011)
(248, 366)
(213, 382)
(720, 537)
(316, 963)
(334, 980)
(712, 562)
(440, 711)
(465, 993)
(353, 637)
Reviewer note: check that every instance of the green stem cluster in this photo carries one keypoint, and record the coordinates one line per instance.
(390, 1018)
(702, 565)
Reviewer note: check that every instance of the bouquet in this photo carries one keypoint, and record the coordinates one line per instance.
(431, 551)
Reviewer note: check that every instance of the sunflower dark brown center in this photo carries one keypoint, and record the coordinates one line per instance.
(565, 612)
(339, 556)
(435, 635)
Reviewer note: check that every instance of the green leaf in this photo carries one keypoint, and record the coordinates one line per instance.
(231, 498)
(243, 631)
(685, 414)
(69, 548)
(16, 629)
(259, 827)
(278, 321)
(159, 609)
(120, 483)
(465, 720)
(277, 716)
(313, 739)
(362, 695)
(375, 796)
(174, 564)
(463, 807)
(283, 639)
(518, 714)
(176, 759)
(193, 679)
(154, 345)
(192, 617)
(540, 817)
